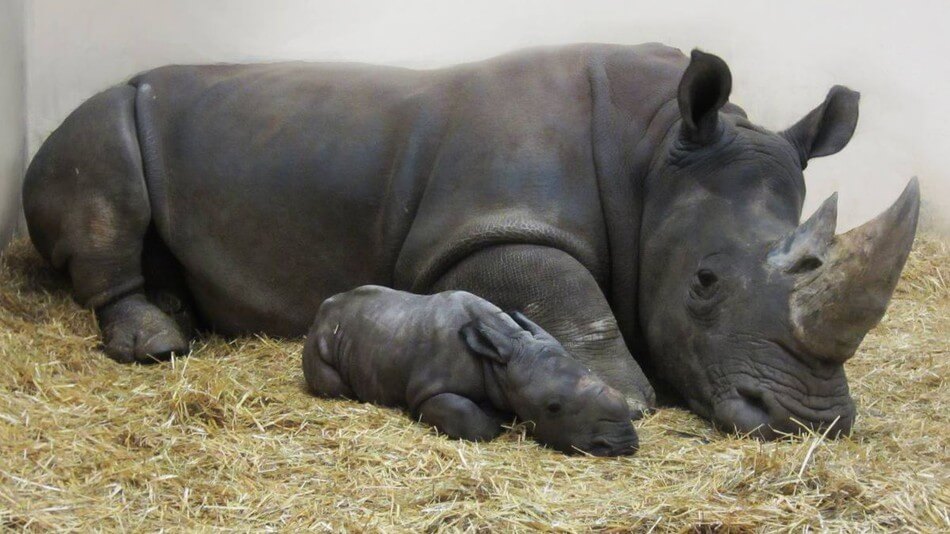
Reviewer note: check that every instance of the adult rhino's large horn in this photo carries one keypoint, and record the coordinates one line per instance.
(843, 283)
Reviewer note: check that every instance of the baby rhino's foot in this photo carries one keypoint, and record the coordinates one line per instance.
(134, 330)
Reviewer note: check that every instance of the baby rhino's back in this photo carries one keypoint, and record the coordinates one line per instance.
(397, 348)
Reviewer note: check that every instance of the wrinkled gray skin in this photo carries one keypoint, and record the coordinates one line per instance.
(458, 362)
(611, 192)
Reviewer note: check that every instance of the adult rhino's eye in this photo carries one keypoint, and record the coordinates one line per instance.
(706, 278)
(554, 407)
(705, 285)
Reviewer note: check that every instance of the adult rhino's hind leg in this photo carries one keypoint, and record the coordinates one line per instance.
(87, 210)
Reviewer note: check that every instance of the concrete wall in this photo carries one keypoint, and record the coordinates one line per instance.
(12, 115)
(784, 58)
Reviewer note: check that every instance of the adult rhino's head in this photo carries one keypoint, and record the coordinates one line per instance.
(749, 314)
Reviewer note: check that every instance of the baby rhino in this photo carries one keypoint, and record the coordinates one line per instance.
(461, 364)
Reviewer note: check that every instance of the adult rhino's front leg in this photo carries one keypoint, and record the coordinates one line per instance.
(560, 294)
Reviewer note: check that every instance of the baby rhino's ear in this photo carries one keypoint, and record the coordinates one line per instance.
(487, 342)
(536, 331)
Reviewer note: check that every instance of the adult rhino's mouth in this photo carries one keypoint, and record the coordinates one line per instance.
(762, 413)
(772, 389)
(792, 399)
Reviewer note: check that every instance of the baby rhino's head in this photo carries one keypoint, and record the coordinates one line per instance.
(571, 409)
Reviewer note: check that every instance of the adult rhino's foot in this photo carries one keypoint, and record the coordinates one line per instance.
(640, 403)
(175, 307)
(134, 330)
(621, 372)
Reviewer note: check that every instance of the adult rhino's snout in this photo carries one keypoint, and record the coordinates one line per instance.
(759, 413)
(844, 283)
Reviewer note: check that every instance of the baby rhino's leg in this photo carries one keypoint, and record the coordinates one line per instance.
(325, 381)
(459, 417)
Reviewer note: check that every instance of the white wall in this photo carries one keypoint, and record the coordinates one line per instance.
(12, 115)
(784, 58)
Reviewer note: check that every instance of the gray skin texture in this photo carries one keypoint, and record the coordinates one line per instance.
(458, 362)
(587, 185)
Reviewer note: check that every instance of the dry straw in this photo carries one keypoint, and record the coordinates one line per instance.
(228, 439)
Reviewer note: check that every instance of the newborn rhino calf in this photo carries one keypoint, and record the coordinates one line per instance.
(461, 364)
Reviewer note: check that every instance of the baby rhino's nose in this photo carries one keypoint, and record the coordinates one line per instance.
(614, 434)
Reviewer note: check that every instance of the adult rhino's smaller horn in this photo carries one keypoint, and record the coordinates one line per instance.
(844, 283)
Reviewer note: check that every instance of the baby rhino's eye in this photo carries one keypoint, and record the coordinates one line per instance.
(554, 407)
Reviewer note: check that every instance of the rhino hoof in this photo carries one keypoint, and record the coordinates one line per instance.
(638, 408)
(134, 330)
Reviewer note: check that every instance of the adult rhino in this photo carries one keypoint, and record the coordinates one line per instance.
(610, 192)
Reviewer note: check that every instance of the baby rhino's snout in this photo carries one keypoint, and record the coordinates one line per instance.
(613, 432)
(599, 422)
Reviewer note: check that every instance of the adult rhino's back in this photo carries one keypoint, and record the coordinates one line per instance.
(278, 185)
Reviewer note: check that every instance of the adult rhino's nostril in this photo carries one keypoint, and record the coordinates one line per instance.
(754, 401)
(745, 413)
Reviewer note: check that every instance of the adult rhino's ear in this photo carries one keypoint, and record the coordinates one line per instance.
(487, 342)
(703, 90)
(827, 128)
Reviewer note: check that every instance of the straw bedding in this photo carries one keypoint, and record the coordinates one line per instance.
(228, 439)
